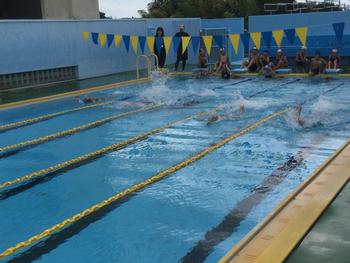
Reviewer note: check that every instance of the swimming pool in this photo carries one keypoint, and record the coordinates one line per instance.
(197, 211)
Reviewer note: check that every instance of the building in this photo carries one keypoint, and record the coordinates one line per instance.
(49, 9)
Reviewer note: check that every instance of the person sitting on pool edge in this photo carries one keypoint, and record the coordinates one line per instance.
(253, 64)
(334, 60)
(301, 60)
(317, 64)
(223, 61)
(281, 60)
(202, 63)
(267, 65)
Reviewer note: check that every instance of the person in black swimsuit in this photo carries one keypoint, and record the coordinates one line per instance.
(181, 55)
(301, 60)
(254, 61)
(334, 60)
(317, 64)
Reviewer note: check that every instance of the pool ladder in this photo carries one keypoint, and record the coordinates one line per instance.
(149, 64)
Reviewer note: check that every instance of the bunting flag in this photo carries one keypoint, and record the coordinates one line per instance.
(219, 40)
(245, 40)
(339, 31)
(185, 42)
(126, 40)
(134, 43)
(256, 37)
(302, 34)
(167, 43)
(142, 42)
(150, 44)
(235, 42)
(159, 43)
(267, 37)
(110, 39)
(176, 43)
(85, 35)
(195, 43)
(94, 37)
(117, 40)
(278, 36)
(102, 39)
(208, 43)
(290, 34)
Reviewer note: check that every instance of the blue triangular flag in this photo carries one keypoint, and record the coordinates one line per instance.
(159, 43)
(142, 42)
(126, 40)
(245, 40)
(176, 43)
(267, 37)
(195, 43)
(94, 37)
(290, 34)
(219, 40)
(339, 31)
(110, 39)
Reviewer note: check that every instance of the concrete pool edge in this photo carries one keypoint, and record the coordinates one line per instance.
(281, 231)
(72, 93)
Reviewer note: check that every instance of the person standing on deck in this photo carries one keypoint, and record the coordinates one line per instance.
(161, 54)
(181, 56)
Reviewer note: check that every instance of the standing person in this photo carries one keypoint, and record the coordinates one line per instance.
(334, 60)
(181, 56)
(161, 54)
(301, 60)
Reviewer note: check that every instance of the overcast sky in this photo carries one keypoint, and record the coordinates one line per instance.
(128, 8)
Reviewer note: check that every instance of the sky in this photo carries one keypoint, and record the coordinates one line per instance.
(128, 8)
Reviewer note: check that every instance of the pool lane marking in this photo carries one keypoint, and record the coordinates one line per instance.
(138, 186)
(241, 210)
(73, 93)
(15, 148)
(27, 122)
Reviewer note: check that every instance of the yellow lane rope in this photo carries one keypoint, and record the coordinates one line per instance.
(73, 130)
(48, 116)
(136, 187)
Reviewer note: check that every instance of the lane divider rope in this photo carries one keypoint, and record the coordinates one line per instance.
(137, 187)
(18, 124)
(18, 146)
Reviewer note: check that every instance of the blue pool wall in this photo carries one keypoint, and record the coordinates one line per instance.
(321, 34)
(30, 45)
(231, 26)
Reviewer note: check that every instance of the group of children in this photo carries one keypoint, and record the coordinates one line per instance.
(264, 65)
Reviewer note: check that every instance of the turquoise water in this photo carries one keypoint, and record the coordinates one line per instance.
(194, 215)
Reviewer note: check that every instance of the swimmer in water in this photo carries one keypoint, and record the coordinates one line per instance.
(297, 115)
(215, 117)
(87, 100)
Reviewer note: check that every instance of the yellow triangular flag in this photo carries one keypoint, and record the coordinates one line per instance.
(185, 42)
(208, 43)
(278, 36)
(256, 37)
(134, 43)
(117, 40)
(86, 36)
(103, 39)
(302, 34)
(150, 44)
(235, 42)
(167, 43)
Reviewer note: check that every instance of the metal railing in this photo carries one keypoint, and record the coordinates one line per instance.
(149, 66)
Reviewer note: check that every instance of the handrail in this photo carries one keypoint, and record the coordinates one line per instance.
(156, 58)
(138, 66)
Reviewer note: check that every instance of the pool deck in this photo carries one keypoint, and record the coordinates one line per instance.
(329, 239)
(280, 233)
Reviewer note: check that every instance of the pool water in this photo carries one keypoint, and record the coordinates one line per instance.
(195, 214)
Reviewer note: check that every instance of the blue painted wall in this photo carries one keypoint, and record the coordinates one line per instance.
(321, 35)
(171, 27)
(42, 44)
(231, 26)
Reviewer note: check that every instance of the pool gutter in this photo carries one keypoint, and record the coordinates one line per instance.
(72, 93)
(277, 236)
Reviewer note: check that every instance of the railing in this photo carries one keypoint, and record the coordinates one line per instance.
(156, 59)
(149, 66)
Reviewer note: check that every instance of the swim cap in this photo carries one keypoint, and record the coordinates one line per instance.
(335, 50)
(279, 50)
(303, 47)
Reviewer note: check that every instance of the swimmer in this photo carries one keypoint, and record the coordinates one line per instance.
(216, 116)
(297, 115)
(241, 107)
(213, 118)
(87, 100)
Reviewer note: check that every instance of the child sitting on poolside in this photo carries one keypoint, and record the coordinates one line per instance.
(317, 64)
(334, 60)
(202, 63)
(223, 62)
